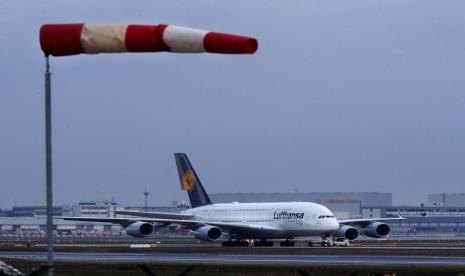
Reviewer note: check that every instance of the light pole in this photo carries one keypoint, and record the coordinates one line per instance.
(146, 195)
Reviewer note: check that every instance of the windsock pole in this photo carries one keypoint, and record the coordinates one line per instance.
(48, 163)
(74, 39)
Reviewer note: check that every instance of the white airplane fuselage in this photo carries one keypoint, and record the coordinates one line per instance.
(288, 219)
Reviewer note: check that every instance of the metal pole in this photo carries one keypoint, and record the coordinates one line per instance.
(48, 166)
(146, 194)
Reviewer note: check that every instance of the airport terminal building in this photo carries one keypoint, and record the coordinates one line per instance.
(443, 199)
(422, 220)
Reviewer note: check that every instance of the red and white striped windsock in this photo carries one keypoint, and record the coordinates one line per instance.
(73, 39)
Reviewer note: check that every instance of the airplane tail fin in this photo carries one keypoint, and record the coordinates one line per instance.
(190, 181)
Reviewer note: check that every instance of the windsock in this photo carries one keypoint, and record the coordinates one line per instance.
(74, 39)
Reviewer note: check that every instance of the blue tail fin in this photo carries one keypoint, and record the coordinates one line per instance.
(190, 181)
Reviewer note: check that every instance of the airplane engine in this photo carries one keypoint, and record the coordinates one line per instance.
(348, 232)
(377, 230)
(207, 233)
(139, 229)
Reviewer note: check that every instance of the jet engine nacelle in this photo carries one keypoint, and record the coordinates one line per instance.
(377, 230)
(207, 233)
(348, 232)
(139, 229)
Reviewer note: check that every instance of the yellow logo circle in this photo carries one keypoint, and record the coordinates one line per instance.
(188, 181)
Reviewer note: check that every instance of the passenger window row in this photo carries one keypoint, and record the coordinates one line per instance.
(325, 216)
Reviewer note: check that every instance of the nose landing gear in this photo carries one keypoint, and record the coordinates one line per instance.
(264, 243)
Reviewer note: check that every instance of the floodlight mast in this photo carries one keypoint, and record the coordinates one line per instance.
(48, 164)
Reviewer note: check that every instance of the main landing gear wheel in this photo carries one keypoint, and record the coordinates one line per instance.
(235, 243)
(310, 243)
(264, 243)
(325, 244)
(287, 243)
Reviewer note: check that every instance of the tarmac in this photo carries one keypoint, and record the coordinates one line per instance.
(241, 259)
(166, 258)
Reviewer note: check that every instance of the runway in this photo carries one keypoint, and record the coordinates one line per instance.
(242, 259)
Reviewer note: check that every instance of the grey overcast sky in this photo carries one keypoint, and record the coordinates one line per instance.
(340, 96)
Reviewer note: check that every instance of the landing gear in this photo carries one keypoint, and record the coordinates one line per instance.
(310, 243)
(243, 243)
(287, 243)
(235, 243)
(227, 243)
(327, 243)
(264, 243)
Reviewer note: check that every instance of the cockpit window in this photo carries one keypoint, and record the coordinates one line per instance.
(326, 216)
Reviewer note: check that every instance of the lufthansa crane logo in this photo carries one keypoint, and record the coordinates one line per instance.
(188, 181)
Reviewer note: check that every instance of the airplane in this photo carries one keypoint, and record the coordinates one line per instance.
(240, 222)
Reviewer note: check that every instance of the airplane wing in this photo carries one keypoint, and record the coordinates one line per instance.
(365, 221)
(122, 221)
(154, 214)
(192, 224)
